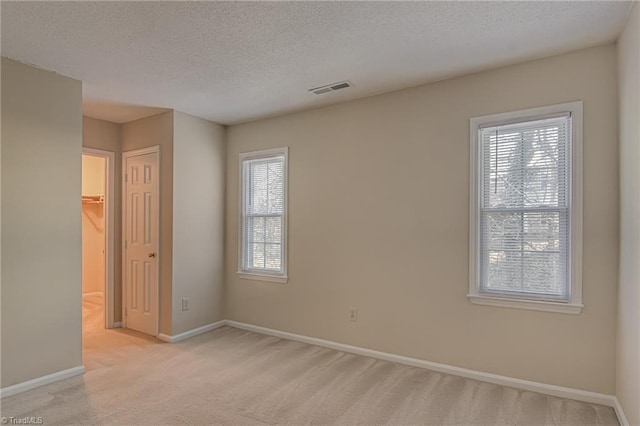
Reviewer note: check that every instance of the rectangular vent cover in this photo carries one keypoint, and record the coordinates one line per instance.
(330, 87)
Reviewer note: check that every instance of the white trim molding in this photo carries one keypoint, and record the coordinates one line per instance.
(187, 334)
(41, 381)
(622, 418)
(252, 274)
(117, 324)
(532, 305)
(553, 390)
(572, 303)
(263, 277)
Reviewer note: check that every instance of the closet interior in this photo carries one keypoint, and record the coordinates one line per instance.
(93, 241)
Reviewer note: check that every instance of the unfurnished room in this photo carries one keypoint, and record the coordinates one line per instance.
(320, 212)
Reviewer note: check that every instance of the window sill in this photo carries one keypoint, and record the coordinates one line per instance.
(263, 277)
(535, 305)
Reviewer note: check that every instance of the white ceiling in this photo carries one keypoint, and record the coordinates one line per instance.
(231, 62)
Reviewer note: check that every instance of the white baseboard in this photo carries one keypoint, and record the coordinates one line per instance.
(622, 418)
(117, 324)
(41, 381)
(191, 333)
(95, 293)
(553, 390)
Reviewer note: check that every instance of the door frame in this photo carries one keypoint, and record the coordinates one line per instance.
(155, 149)
(109, 223)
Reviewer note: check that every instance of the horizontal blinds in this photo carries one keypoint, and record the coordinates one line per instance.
(263, 214)
(524, 207)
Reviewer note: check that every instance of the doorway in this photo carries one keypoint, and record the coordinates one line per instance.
(97, 240)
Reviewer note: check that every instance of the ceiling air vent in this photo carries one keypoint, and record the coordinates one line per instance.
(330, 87)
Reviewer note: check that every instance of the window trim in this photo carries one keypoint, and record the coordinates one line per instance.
(574, 304)
(252, 274)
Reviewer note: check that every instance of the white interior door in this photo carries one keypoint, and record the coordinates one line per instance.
(141, 230)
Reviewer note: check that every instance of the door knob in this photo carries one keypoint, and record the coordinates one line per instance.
(152, 255)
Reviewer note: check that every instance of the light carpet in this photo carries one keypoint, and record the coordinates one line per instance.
(234, 377)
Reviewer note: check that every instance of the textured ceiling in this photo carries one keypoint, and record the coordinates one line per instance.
(231, 62)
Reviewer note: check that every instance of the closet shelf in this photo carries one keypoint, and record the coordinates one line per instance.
(92, 199)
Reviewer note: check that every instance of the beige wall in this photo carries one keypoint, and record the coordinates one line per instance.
(93, 175)
(198, 221)
(628, 342)
(104, 135)
(93, 244)
(41, 253)
(146, 132)
(93, 229)
(378, 220)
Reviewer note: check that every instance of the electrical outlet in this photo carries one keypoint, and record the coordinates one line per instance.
(185, 304)
(353, 314)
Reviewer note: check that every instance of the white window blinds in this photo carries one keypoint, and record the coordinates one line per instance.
(263, 214)
(524, 208)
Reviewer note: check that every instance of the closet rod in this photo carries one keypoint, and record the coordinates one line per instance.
(92, 199)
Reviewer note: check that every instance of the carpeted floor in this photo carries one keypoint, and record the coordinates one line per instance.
(234, 377)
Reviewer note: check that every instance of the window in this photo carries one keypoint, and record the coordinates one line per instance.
(526, 209)
(263, 215)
